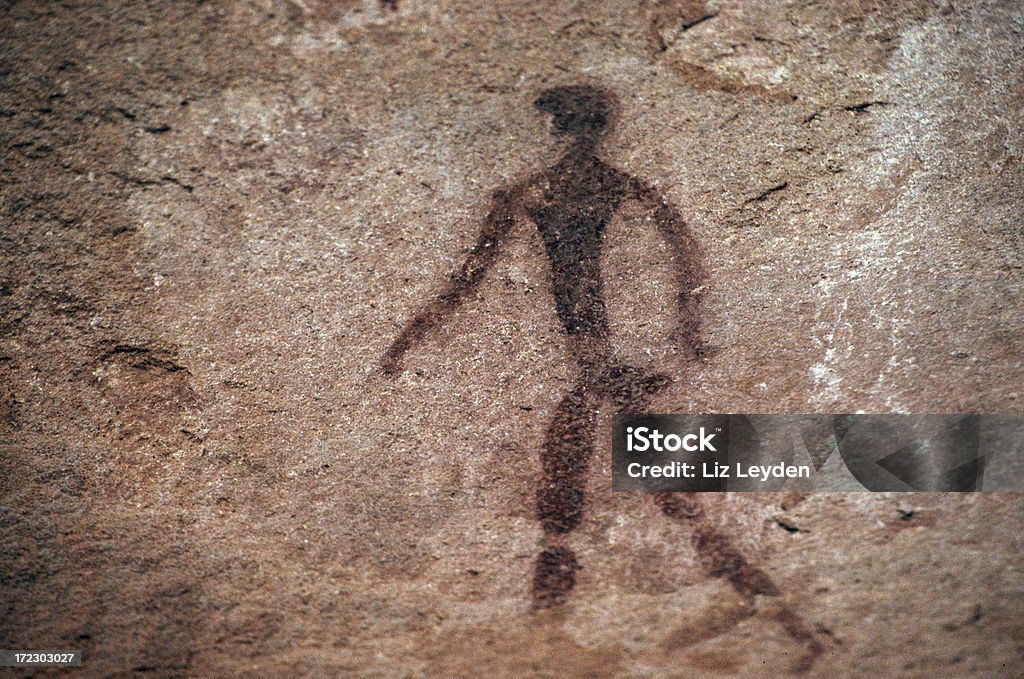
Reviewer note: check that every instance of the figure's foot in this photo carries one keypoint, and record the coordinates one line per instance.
(797, 629)
(554, 576)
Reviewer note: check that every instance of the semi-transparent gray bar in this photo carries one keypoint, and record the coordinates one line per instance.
(29, 658)
(818, 453)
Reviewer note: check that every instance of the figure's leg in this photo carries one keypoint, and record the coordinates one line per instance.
(631, 390)
(717, 556)
(564, 458)
(720, 559)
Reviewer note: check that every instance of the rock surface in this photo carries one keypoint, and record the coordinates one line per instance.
(216, 216)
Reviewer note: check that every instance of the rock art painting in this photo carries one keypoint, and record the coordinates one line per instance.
(571, 203)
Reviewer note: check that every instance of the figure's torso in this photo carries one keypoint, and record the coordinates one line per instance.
(571, 203)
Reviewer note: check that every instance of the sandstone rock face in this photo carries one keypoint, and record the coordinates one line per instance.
(217, 217)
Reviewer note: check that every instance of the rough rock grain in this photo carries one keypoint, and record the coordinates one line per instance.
(216, 216)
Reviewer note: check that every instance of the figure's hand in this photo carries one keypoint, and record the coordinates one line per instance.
(693, 346)
(701, 351)
(391, 363)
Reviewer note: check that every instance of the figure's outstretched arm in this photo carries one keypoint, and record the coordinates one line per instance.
(499, 221)
(688, 271)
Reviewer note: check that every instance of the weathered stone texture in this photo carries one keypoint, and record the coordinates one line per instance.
(216, 216)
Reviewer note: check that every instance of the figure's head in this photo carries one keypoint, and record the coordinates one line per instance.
(580, 111)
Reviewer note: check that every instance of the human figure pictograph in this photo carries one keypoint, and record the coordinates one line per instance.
(571, 203)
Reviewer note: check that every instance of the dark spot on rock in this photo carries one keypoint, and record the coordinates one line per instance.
(863, 107)
(785, 525)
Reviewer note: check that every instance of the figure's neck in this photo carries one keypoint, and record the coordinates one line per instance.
(583, 147)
